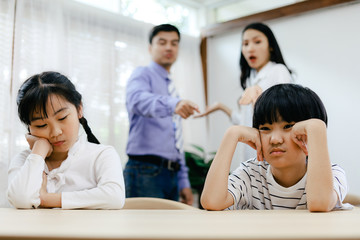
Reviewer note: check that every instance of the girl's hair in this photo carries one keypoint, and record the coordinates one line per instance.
(288, 102)
(275, 53)
(34, 94)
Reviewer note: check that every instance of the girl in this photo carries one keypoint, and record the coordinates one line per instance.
(61, 168)
(292, 169)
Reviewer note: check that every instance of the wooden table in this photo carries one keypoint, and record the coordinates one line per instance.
(177, 224)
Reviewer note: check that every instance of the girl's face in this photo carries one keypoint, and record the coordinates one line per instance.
(255, 48)
(60, 127)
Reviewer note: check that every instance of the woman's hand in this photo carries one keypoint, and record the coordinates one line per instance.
(250, 95)
(40, 146)
(215, 107)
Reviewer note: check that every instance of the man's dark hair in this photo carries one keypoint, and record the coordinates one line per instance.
(162, 28)
(288, 102)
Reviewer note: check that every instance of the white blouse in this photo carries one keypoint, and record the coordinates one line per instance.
(91, 177)
(271, 74)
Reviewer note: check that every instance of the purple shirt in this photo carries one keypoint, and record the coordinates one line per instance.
(150, 109)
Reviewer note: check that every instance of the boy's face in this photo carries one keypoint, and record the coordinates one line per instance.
(279, 150)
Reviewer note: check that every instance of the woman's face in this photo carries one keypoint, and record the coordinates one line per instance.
(255, 48)
(60, 127)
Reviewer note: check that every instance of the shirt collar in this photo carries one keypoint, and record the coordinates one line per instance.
(264, 69)
(256, 77)
(159, 70)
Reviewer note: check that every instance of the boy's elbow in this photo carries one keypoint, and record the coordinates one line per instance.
(320, 206)
(209, 204)
(322, 202)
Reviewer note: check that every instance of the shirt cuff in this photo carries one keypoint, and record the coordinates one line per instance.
(184, 183)
(172, 105)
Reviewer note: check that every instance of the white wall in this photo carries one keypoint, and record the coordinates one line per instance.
(323, 48)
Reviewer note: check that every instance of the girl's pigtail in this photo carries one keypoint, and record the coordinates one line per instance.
(90, 136)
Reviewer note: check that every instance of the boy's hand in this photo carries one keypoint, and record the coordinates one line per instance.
(40, 146)
(299, 135)
(251, 137)
(301, 130)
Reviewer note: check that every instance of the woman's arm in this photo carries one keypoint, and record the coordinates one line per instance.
(311, 136)
(215, 195)
(216, 107)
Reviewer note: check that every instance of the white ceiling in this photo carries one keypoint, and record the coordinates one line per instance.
(221, 3)
(207, 3)
(224, 10)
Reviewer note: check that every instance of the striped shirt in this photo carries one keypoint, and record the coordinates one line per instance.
(253, 186)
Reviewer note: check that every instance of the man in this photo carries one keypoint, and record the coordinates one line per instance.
(156, 166)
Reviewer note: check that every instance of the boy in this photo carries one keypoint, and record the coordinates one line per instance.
(292, 169)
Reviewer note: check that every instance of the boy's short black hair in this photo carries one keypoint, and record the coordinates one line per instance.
(162, 28)
(288, 102)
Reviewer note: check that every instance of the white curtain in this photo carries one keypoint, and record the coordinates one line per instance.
(98, 51)
(6, 47)
(188, 77)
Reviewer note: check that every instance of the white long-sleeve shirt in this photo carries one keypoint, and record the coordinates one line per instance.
(91, 177)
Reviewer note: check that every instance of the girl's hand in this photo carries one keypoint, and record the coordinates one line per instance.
(43, 190)
(40, 146)
(48, 200)
(250, 95)
(251, 137)
(299, 135)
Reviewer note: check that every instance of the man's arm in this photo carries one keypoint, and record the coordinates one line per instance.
(141, 100)
(321, 196)
(215, 195)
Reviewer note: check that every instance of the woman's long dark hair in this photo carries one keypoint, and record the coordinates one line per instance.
(275, 53)
(35, 91)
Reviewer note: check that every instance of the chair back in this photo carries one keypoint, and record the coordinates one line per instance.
(155, 203)
(353, 199)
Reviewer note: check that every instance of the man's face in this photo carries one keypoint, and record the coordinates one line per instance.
(164, 48)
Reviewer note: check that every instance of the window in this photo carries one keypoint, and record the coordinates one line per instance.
(153, 11)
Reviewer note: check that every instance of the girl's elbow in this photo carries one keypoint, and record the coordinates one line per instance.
(119, 202)
(116, 199)
(22, 201)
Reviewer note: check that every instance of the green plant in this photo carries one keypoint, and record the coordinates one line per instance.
(198, 162)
